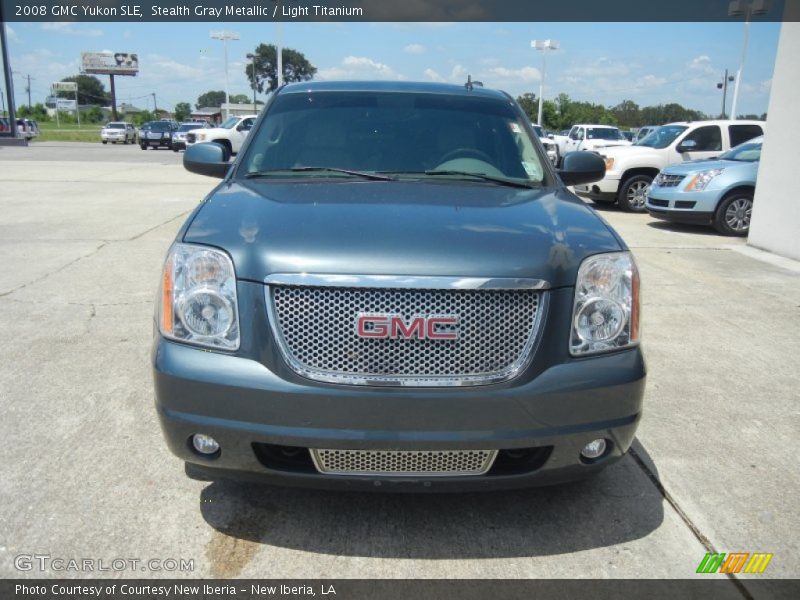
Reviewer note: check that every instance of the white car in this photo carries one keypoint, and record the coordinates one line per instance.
(550, 147)
(593, 138)
(118, 131)
(231, 133)
(631, 169)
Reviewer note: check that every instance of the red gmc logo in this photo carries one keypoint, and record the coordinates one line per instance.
(421, 327)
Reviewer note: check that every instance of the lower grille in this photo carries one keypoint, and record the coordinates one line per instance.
(662, 203)
(403, 463)
(191, 138)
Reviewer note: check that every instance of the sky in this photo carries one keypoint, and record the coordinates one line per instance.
(649, 63)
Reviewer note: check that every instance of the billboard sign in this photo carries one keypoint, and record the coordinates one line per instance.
(65, 86)
(109, 63)
(66, 105)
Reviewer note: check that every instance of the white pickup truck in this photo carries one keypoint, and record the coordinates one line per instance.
(231, 133)
(629, 170)
(592, 138)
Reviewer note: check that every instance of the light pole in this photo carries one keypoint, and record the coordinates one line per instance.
(225, 36)
(746, 8)
(544, 46)
(252, 58)
(724, 87)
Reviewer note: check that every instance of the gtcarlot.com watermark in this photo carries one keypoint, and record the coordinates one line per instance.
(47, 563)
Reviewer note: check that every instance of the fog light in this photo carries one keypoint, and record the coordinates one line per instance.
(204, 444)
(594, 449)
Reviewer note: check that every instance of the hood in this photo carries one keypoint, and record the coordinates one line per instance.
(597, 144)
(630, 150)
(400, 228)
(696, 166)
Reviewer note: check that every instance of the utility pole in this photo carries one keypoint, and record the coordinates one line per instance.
(155, 105)
(544, 46)
(113, 98)
(724, 87)
(28, 89)
(225, 36)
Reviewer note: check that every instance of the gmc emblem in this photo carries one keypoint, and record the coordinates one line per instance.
(421, 327)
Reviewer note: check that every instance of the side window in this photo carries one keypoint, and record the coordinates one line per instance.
(246, 125)
(741, 133)
(573, 134)
(708, 139)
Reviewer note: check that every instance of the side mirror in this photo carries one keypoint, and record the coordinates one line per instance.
(209, 159)
(582, 167)
(686, 146)
(550, 135)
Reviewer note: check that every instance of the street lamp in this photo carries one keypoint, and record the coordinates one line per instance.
(724, 87)
(544, 46)
(225, 36)
(746, 8)
(252, 58)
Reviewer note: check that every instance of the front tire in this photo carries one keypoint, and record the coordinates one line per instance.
(104, 142)
(732, 216)
(633, 193)
(143, 146)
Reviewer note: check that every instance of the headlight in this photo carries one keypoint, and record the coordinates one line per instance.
(198, 298)
(606, 310)
(699, 182)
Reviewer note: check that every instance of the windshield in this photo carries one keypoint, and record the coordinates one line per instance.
(408, 134)
(603, 133)
(747, 152)
(115, 126)
(160, 126)
(230, 123)
(189, 127)
(661, 137)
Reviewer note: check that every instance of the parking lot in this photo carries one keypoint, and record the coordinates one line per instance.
(83, 232)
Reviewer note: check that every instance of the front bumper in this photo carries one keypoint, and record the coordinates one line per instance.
(557, 405)
(604, 189)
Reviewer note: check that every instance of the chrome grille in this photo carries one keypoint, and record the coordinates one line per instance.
(315, 329)
(401, 463)
(663, 180)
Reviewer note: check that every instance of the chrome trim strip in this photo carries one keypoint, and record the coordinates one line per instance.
(492, 455)
(512, 371)
(411, 282)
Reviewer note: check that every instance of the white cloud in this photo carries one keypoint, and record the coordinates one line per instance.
(601, 67)
(359, 67)
(170, 69)
(765, 86)
(12, 35)
(702, 64)
(432, 75)
(69, 29)
(415, 49)
(522, 75)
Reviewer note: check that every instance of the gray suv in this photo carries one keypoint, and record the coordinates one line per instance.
(393, 289)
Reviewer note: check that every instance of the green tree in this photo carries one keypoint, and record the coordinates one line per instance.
(90, 90)
(212, 98)
(37, 112)
(182, 111)
(241, 99)
(296, 67)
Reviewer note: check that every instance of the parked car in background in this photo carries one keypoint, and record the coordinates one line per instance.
(550, 147)
(179, 135)
(631, 169)
(5, 127)
(716, 192)
(157, 134)
(392, 289)
(118, 131)
(231, 134)
(594, 138)
(629, 135)
(27, 128)
(643, 132)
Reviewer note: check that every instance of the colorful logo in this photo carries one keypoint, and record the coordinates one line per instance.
(734, 562)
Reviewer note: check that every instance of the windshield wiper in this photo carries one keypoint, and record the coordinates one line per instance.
(362, 174)
(482, 176)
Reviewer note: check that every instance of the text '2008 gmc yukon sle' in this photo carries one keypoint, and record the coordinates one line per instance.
(393, 289)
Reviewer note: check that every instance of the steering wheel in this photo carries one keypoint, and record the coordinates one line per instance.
(466, 153)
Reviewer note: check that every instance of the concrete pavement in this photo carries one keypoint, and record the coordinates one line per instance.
(83, 232)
